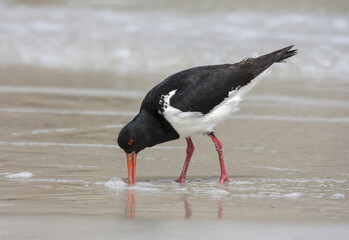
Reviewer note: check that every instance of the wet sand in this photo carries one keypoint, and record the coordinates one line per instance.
(95, 227)
(62, 173)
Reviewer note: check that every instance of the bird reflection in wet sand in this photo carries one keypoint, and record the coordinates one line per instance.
(221, 203)
(131, 204)
(187, 206)
(189, 211)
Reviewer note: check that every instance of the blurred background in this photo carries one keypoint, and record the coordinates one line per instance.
(161, 37)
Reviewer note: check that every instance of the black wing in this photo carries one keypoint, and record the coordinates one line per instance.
(209, 86)
(200, 89)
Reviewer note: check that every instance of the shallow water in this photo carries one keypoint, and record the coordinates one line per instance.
(73, 73)
(286, 160)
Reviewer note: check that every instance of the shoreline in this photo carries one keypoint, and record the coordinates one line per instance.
(87, 227)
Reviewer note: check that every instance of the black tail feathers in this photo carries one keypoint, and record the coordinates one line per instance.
(284, 53)
(257, 65)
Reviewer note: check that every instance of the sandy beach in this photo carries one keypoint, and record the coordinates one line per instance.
(62, 174)
(288, 170)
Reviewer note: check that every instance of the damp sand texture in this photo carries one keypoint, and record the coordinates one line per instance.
(64, 99)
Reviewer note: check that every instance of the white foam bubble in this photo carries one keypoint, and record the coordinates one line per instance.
(20, 175)
(338, 196)
(293, 195)
(115, 183)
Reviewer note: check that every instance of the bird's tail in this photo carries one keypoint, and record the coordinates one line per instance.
(280, 55)
(259, 64)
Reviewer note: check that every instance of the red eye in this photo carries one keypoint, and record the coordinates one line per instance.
(130, 142)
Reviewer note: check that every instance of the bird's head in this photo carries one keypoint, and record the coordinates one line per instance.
(130, 139)
(133, 138)
(143, 131)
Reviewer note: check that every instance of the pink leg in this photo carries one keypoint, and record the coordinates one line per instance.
(219, 146)
(190, 150)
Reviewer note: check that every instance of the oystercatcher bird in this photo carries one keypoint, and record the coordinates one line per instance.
(193, 101)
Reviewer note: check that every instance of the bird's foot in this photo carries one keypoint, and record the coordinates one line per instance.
(180, 180)
(224, 178)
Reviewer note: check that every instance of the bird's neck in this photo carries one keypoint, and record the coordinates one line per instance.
(157, 129)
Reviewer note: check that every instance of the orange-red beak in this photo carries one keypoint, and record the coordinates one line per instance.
(131, 165)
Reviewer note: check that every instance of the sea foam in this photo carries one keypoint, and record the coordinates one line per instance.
(20, 175)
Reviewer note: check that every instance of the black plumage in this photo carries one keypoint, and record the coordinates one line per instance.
(198, 89)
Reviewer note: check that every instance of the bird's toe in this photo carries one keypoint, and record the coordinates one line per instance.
(223, 179)
(180, 180)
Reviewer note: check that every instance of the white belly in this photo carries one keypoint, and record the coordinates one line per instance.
(190, 123)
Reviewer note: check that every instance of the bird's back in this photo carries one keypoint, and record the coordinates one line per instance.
(200, 89)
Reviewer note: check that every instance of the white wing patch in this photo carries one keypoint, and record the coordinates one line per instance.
(189, 123)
